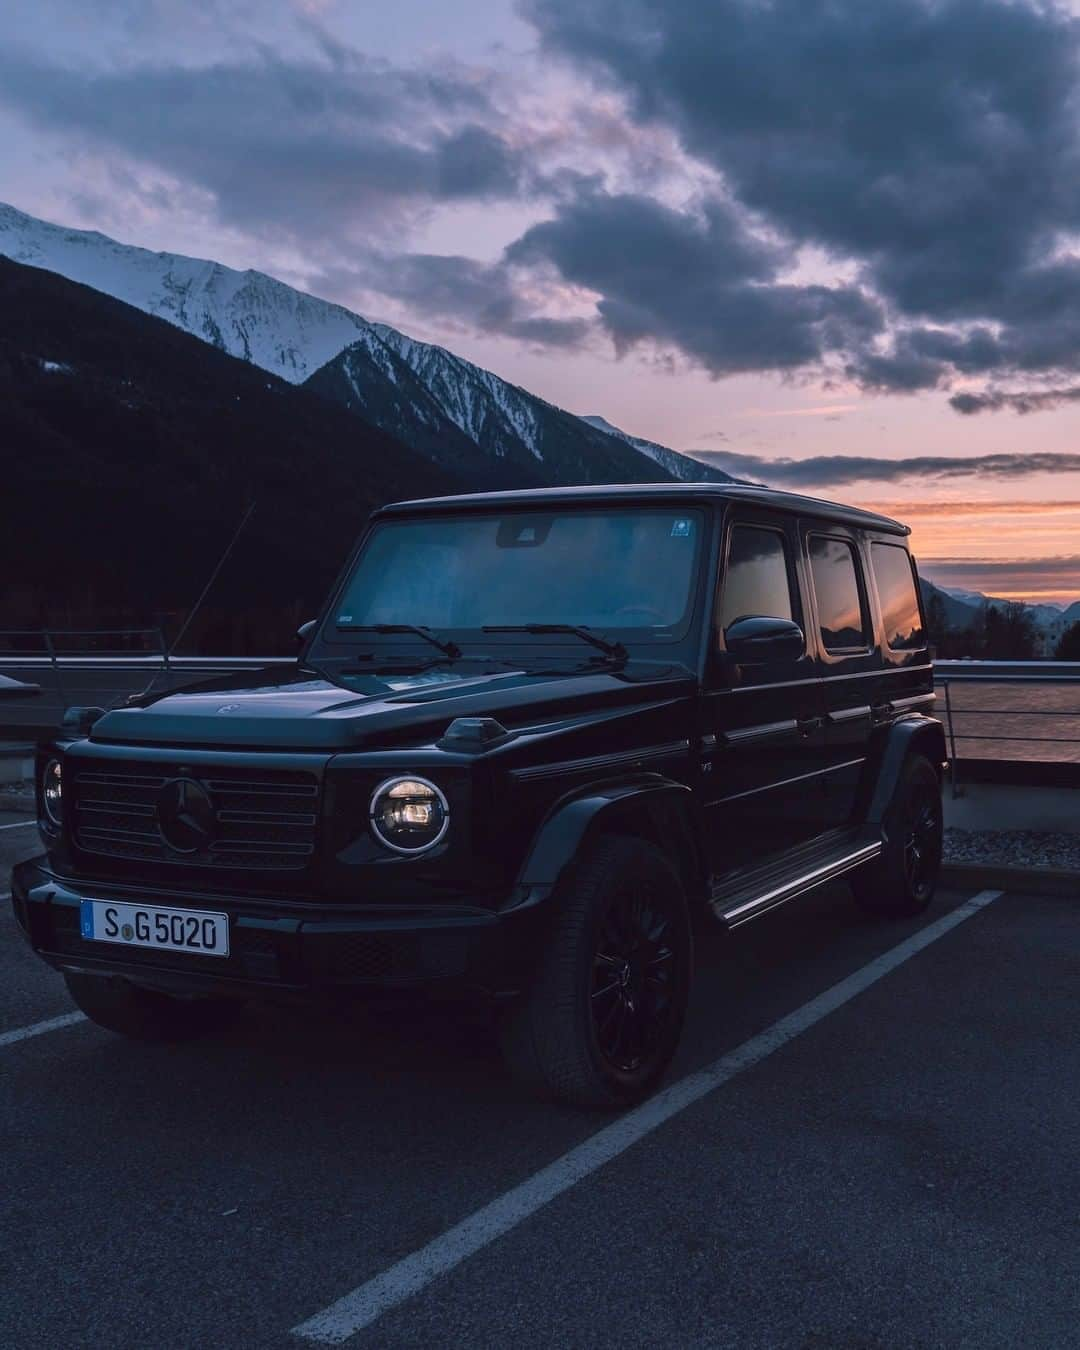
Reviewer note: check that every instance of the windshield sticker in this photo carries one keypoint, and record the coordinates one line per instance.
(344, 618)
(680, 529)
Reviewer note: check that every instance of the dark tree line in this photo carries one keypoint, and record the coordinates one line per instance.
(998, 632)
(1068, 648)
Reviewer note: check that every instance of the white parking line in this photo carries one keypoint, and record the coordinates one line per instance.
(412, 1274)
(40, 1028)
(37, 1028)
(19, 825)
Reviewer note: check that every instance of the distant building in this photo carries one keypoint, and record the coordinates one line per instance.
(1049, 634)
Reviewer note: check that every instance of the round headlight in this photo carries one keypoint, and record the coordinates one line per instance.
(52, 791)
(409, 815)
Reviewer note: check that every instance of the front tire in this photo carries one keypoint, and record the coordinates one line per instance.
(603, 1017)
(902, 880)
(146, 1014)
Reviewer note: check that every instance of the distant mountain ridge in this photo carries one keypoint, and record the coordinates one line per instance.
(964, 620)
(969, 602)
(1043, 614)
(958, 613)
(455, 413)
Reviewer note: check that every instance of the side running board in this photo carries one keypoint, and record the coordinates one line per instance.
(738, 899)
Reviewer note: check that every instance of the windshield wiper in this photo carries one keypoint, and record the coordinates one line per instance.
(450, 649)
(615, 650)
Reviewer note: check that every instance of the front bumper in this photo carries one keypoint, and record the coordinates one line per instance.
(282, 948)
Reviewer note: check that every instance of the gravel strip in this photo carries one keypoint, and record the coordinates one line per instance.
(1013, 848)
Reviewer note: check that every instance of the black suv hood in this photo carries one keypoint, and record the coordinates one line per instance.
(268, 711)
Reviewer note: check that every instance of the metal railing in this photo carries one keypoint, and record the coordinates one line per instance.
(93, 641)
(13, 645)
(1015, 673)
(146, 649)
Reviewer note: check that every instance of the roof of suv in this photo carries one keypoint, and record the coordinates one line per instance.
(645, 492)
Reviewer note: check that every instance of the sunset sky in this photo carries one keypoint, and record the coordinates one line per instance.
(832, 245)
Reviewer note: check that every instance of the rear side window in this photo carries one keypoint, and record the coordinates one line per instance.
(895, 580)
(756, 581)
(841, 610)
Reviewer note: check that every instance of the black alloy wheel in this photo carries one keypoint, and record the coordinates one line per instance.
(922, 841)
(902, 880)
(602, 1018)
(634, 972)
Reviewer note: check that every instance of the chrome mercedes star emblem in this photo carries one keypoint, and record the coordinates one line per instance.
(185, 815)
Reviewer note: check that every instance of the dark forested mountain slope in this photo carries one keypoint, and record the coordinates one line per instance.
(129, 451)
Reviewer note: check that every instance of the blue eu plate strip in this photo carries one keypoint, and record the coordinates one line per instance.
(86, 918)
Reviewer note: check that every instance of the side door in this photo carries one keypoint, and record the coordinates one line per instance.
(763, 721)
(850, 659)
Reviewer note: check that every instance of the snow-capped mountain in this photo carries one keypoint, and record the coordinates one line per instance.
(246, 314)
(682, 467)
(431, 399)
(485, 407)
(371, 379)
(523, 440)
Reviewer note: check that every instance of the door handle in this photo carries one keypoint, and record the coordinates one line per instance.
(808, 725)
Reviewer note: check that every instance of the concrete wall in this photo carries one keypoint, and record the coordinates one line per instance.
(995, 806)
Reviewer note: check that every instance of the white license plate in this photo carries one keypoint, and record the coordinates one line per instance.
(176, 930)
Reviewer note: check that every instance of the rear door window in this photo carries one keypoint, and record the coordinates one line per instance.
(895, 580)
(841, 607)
(757, 578)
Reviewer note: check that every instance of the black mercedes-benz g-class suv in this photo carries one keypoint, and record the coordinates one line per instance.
(531, 737)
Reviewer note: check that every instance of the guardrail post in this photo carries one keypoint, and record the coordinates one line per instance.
(50, 647)
(164, 656)
(953, 766)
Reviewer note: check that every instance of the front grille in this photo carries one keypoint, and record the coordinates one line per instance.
(265, 819)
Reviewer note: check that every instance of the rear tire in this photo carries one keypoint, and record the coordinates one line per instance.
(146, 1014)
(603, 1017)
(902, 879)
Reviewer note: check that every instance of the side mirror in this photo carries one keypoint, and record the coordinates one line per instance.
(305, 631)
(756, 638)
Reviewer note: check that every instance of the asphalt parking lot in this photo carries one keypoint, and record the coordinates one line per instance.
(896, 1166)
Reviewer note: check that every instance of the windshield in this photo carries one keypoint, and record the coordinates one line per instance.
(625, 570)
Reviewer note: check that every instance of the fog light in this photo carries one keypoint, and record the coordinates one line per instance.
(409, 815)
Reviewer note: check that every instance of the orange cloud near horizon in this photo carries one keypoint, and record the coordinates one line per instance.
(1016, 550)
